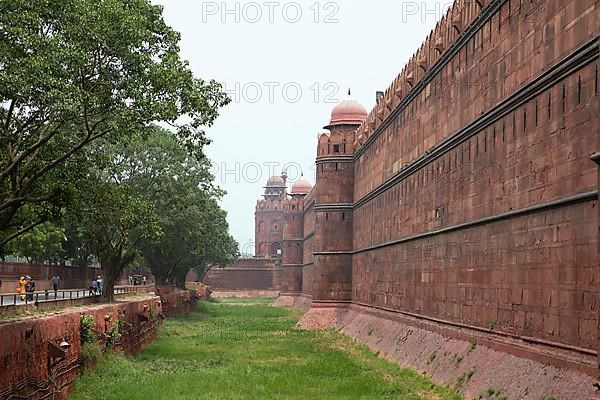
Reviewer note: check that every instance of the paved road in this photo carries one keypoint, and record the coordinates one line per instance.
(8, 299)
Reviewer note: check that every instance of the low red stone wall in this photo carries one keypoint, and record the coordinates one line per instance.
(233, 278)
(202, 291)
(176, 301)
(246, 294)
(27, 370)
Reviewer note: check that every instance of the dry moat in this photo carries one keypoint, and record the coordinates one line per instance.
(247, 349)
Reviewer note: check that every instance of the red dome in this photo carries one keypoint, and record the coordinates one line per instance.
(348, 112)
(302, 187)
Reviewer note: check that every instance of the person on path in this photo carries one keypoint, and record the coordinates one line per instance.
(93, 287)
(30, 288)
(100, 284)
(55, 284)
(21, 287)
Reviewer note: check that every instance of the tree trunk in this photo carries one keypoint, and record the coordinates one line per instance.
(113, 266)
(108, 290)
(112, 272)
(180, 277)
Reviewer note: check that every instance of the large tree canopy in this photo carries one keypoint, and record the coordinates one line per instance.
(149, 194)
(76, 71)
(194, 227)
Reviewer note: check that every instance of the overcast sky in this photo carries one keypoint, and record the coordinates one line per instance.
(285, 65)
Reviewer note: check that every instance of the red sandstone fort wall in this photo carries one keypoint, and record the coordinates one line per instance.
(506, 126)
(308, 247)
(246, 274)
(268, 227)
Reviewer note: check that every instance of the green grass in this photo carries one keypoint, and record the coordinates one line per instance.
(227, 350)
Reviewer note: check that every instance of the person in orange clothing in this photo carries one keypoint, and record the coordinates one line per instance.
(21, 287)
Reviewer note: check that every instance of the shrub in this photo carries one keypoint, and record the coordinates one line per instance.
(86, 333)
(90, 355)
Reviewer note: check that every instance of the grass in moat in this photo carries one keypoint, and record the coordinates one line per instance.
(245, 349)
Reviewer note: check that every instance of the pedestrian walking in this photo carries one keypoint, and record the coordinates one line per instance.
(30, 288)
(93, 287)
(100, 284)
(55, 284)
(144, 280)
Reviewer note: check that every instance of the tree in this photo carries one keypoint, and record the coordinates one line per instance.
(73, 72)
(195, 237)
(114, 218)
(77, 248)
(43, 244)
(195, 229)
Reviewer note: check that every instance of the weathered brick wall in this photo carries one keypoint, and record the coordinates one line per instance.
(507, 124)
(517, 43)
(308, 245)
(250, 274)
(269, 223)
(176, 301)
(333, 215)
(290, 276)
(24, 346)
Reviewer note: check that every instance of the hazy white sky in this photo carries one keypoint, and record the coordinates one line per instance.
(285, 65)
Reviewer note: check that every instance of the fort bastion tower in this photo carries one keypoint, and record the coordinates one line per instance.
(334, 191)
(269, 218)
(292, 261)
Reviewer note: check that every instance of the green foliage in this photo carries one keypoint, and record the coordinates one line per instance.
(230, 350)
(494, 394)
(86, 329)
(114, 334)
(472, 347)
(195, 229)
(43, 244)
(73, 72)
(91, 354)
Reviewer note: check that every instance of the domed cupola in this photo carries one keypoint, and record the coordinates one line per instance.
(276, 187)
(275, 182)
(348, 112)
(301, 188)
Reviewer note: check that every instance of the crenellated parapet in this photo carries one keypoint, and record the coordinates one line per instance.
(439, 42)
(269, 205)
(340, 142)
(294, 205)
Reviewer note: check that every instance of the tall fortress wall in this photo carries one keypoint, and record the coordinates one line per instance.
(464, 206)
(475, 199)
